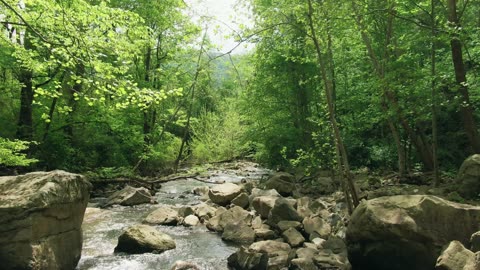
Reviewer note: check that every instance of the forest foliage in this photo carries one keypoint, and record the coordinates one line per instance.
(90, 84)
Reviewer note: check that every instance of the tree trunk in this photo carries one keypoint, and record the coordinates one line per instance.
(421, 145)
(328, 86)
(25, 118)
(192, 99)
(466, 109)
(436, 178)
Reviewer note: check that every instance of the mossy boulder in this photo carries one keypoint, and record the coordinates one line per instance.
(407, 231)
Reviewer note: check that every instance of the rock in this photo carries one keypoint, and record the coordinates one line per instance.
(311, 245)
(407, 232)
(201, 191)
(307, 253)
(143, 239)
(257, 223)
(204, 211)
(238, 232)
(282, 182)
(181, 265)
(475, 242)
(303, 264)
(263, 205)
(319, 242)
(287, 224)
(282, 210)
(185, 211)
(256, 192)
(265, 234)
(279, 254)
(316, 227)
(130, 196)
(191, 221)
(241, 200)
(303, 207)
(244, 259)
(223, 194)
(325, 185)
(41, 215)
(164, 215)
(325, 259)
(293, 237)
(232, 215)
(317, 205)
(457, 257)
(336, 245)
(469, 177)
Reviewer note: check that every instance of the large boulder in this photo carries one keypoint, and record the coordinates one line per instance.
(241, 200)
(130, 196)
(282, 182)
(164, 215)
(282, 210)
(457, 257)
(245, 259)
(143, 239)
(407, 232)
(469, 177)
(316, 227)
(41, 215)
(223, 194)
(233, 215)
(267, 254)
(238, 232)
(204, 211)
(263, 205)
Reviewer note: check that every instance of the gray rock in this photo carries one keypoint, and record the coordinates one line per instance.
(144, 239)
(319, 242)
(325, 259)
(185, 211)
(257, 223)
(282, 182)
(232, 215)
(303, 264)
(245, 259)
(204, 211)
(457, 257)
(303, 207)
(287, 224)
(241, 200)
(223, 194)
(282, 210)
(41, 215)
(238, 232)
(407, 232)
(469, 177)
(191, 221)
(307, 253)
(263, 205)
(130, 196)
(316, 227)
(265, 234)
(164, 215)
(293, 237)
(475, 242)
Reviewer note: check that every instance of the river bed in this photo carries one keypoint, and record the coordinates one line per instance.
(102, 227)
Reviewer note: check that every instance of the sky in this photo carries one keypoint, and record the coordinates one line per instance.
(225, 15)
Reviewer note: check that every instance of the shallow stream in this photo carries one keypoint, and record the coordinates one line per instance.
(102, 227)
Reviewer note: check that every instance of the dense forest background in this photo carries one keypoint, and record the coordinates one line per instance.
(136, 87)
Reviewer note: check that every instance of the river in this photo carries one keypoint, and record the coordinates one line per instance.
(102, 227)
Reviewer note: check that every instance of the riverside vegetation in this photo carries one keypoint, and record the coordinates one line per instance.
(364, 112)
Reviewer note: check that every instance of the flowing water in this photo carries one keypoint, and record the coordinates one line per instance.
(102, 227)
